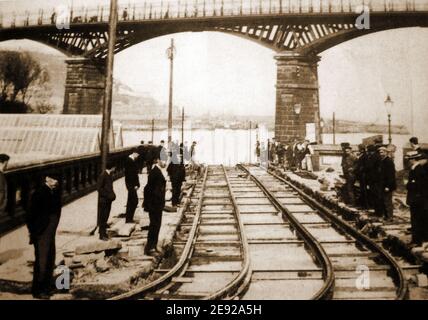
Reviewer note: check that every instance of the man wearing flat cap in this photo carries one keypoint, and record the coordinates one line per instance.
(387, 185)
(417, 197)
(42, 221)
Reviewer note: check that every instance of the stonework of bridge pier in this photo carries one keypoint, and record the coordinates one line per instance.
(84, 87)
(297, 84)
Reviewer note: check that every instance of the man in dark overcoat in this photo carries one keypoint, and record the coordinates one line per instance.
(42, 221)
(417, 197)
(387, 184)
(106, 196)
(154, 202)
(132, 183)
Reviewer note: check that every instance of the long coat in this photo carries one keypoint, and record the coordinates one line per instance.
(131, 174)
(387, 174)
(105, 187)
(372, 169)
(154, 191)
(417, 187)
(45, 205)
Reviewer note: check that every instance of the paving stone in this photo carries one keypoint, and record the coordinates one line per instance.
(101, 265)
(98, 246)
(87, 258)
(421, 280)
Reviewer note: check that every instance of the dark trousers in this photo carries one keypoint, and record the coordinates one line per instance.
(363, 200)
(131, 205)
(349, 190)
(384, 205)
(176, 191)
(154, 227)
(44, 264)
(149, 165)
(419, 222)
(104, 208)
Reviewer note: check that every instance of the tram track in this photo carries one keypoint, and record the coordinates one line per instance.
(249, 234)
(218, 261)
(213, 252)
(362, 268)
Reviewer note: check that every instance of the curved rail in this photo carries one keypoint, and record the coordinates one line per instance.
(232, 289)
(179, 266)
(326, 291)
(397, 273)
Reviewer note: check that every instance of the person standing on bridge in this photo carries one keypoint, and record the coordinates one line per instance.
(4, 159)
(132, 183)
(42, 221)
(154, 202)
(106, 196)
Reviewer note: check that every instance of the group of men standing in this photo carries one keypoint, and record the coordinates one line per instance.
(374, 169)
(291, 156)
(45, 205)
(160, 164)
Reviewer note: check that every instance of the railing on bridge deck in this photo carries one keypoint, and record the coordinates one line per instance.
(179, 9)
(78, 177)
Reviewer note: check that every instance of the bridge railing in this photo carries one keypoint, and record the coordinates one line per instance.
(179, 9)
(77, 177)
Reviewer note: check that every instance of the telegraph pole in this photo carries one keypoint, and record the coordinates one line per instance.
(105, 133)
(182, 127)
(153, 130)
(249, 154)
(170, 52)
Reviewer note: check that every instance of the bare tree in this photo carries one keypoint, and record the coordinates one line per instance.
(19, 72)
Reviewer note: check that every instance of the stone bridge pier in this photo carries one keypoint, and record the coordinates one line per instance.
(297, 90)
(84, 86)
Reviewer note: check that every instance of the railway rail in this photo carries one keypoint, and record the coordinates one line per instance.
(362, 268)
(214, 259)
(218, 261)
(248, 234)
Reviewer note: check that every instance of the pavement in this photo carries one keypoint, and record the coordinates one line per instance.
(99, 269)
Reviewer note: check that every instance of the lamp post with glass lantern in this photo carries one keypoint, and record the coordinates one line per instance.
(389, 105)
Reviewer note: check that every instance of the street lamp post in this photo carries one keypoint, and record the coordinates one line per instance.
(182, 126)
(170, 52)
(388, 105)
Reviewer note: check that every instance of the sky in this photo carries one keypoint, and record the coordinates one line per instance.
(223, 73)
